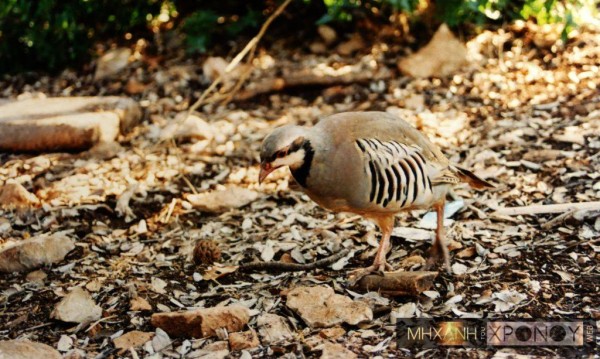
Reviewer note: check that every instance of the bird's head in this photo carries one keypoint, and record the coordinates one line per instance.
(283, 147)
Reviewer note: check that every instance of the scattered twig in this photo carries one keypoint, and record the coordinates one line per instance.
(189, 184)
(522, 305)
(38, 326)
(548, 208)
(579, 243)
(169, 211)
(93, 325)
(558, 219)
(294, 267)
(243, 77)
(236, 60)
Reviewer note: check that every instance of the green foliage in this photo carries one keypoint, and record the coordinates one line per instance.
(481, 12)
(201, 27)
(478, 12)
(52, 34)
(338, 10)
(341, 10)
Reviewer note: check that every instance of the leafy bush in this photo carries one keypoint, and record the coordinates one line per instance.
(459, 12)
(202, 26)
(52, 34)
(341, 10)
(480, 12)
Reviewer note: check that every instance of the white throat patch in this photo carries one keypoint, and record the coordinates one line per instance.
(293, 160)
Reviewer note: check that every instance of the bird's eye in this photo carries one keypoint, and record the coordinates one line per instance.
(281, 154)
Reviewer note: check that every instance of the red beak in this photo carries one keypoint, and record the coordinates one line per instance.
(265, 170)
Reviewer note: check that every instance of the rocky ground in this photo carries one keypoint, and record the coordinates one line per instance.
(121, 221)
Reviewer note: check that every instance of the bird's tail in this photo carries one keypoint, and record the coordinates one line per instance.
(471, 178)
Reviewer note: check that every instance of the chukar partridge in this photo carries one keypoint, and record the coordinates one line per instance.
(369, 163)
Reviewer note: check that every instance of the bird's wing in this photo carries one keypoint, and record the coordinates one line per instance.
(399, 176)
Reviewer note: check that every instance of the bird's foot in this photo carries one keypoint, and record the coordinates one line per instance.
(437, 256)
(376, 268)
(358, 274)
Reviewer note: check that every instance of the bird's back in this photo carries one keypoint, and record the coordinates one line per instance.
(350, 126)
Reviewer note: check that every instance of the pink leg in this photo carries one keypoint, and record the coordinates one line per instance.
(439, 250)
(386, 224)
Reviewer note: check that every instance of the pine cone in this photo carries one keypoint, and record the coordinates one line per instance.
(206, 252)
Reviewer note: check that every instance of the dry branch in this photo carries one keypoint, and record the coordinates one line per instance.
(293, 267)
(398, 283)
(548, 208)
(236, 60)
(558, 219)
(309, 77)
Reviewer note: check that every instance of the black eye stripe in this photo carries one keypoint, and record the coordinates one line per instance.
(294, 147)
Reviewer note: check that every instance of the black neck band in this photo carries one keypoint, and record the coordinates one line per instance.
(301, 173)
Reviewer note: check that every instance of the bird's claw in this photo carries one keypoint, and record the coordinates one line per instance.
(376, 269)
(358, 274)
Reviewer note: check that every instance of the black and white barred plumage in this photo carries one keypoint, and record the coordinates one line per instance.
(399, 174)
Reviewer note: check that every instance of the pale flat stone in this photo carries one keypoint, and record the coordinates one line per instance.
(336, 351)
(202, 323)
(65, 123)
(161, 340)
(332, 333)
(5, 226)
(25, 349)
(112, 62)
(35, 252)
(65, 343)
(216, 350)
(441, 57)
(321, 307)
(327, 33)
(139, 303)
(273, 329)
(355, 43)
(187, 127)
(14, 195)
(36, 276)
(243, 340)
(222, 200)
(213, 67)
(77, 307)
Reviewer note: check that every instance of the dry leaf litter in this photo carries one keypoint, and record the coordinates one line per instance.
(122, 282)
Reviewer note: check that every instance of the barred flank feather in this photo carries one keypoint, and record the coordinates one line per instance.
(397, 172)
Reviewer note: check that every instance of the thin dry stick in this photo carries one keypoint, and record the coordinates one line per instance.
(189, 184)
(242, 79)
(294, 267)
(204, 94)
(236, 60)
(558, 219)
(548, 208)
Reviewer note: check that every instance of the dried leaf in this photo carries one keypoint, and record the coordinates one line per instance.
(218, 271)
